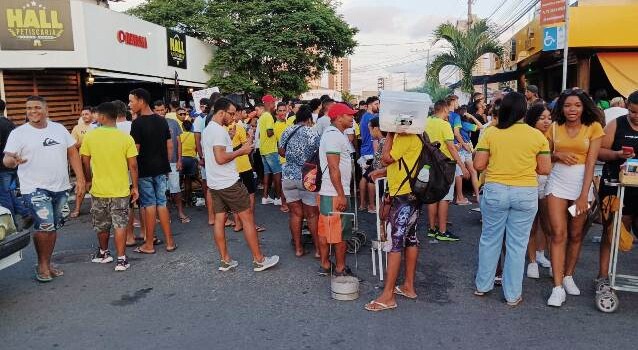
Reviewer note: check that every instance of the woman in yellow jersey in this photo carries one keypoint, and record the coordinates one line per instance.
(575, 138)
(512, 153)
(540, 118)
(189, 160)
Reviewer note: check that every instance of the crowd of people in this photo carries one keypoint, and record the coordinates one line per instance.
(527, 163)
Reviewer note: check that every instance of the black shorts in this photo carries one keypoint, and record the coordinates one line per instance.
(189, 166)
(631, 198)
(248, 179)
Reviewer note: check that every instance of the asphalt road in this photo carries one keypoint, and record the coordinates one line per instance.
(180, 301)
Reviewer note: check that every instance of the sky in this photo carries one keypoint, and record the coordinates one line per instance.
(394, 35)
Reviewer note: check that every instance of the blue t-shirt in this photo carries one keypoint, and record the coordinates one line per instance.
(303, 144)
(465, 127)
(366, 139)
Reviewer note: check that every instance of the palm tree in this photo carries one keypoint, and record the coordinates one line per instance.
(434, 89)
(466, 49)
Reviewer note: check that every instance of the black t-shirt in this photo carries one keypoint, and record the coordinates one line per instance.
(151, 132)
(6, 126)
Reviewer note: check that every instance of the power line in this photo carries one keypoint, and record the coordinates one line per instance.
(394, 44)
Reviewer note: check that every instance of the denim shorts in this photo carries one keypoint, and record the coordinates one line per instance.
(295, 192)
(48, 209)
(271, 163)
(153, 191)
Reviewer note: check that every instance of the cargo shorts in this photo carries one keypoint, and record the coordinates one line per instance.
(107, 213)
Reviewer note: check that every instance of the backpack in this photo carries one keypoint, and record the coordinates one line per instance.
(311, 173)
(442, 172)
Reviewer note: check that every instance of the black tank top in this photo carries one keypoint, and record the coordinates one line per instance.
(625, 136)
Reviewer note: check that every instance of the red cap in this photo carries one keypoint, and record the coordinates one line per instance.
(268, 99)
(339, 109)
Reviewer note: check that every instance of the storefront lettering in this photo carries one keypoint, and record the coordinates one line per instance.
(34, 23)
(132, 39)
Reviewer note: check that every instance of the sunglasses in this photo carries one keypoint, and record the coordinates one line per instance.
(574, 91)
(183, 113)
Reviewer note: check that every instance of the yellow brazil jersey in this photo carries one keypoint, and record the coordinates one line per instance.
(357, 129)
(513, 153)
(280, 127)
(291, 120)
(242, 162)
(109, 149)
(188, 144)
(578, 145)
(408, 147)
(267, 145)
(439, 130)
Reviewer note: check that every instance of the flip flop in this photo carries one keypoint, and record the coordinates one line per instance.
(140, 251)
(41, 278)
(229, 224)
(371, 306)
(398, 291)
(284, 210)
(241, 229)
(185, 220)
(157, 241)
(74, 214)
(463, 203)
(55, 272)
(260, 229)
(171, 249)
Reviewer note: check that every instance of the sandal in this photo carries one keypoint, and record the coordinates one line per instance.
(74, 214)
(171, 249)
(238, 230)
(229, 224)
(466, 202)
(260, 228)
(185, 219)
(55, 272)
(398, 291)
(376, 306)
(42, 278)
(140, 251)
(157, 241)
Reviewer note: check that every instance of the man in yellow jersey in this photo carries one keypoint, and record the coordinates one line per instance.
(268, 149)
(281, 124)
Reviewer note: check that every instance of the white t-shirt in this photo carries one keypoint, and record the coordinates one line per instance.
(614, 112)
(199, 124)
(334, 141)
(322, 124)
(218, 176)
(45, 152)
(124, 126)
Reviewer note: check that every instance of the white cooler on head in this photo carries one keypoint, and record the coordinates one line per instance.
(7, 226)
(403, 112)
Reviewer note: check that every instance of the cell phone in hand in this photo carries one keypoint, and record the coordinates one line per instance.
(572, 209)
(627, 150)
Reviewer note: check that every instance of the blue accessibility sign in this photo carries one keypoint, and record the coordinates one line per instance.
(553, 38)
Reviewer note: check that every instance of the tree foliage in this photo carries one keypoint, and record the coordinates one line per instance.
(263, 46)
(466, 49)
(434, 89)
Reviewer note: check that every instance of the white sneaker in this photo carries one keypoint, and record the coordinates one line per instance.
(532, 270)
(557, 298)
(227, 265)
(276, 201)
(268, 262)
(542, 260)
(551, 272)
(266, 200)
(570, 286)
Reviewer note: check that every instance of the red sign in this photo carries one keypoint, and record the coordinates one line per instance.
(132, 39)
(552, 12)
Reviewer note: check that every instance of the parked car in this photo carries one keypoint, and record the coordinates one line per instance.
(12, 241)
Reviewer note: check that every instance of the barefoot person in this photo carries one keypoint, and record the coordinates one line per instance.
(229, 193)
(42, 151)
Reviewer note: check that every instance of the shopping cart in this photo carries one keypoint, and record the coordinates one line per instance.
(606, 297)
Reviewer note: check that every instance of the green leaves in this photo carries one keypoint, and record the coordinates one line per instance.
(466, 49)
(263, 46)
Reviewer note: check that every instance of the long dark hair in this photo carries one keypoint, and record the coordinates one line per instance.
(591, 113)
(534, 114)
(513, 108)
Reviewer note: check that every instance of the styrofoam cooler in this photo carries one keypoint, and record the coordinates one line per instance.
(403, 112)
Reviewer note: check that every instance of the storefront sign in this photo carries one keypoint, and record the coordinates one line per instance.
(36, 25)
(552, 12)
(553, 38)
(176, 49)
(132, 39)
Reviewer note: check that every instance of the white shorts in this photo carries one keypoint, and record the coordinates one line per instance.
(173, 180)
(450, 195)
(202, 172)
(566, 182)
(465, 155)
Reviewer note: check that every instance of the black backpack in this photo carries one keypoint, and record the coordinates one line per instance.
(442, 172)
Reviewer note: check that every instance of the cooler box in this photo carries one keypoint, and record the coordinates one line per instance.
(403, 112)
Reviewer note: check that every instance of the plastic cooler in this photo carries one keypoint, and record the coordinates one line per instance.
(403, 112)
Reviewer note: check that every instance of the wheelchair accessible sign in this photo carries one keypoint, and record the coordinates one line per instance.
(553, 38)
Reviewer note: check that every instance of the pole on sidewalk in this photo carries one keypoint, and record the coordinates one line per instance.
(566, 49)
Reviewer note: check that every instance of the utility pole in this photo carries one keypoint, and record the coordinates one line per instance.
(469, 13)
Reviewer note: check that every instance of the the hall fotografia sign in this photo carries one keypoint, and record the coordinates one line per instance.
(176, 46)
(36, 25)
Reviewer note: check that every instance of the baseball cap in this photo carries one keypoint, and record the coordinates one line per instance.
(339, 109)
(532, 89)
(268, 99)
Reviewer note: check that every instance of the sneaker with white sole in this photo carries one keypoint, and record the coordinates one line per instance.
(122, 264)
(102, 257)
(532, 270)
(268, 262)
(266, 200)
(227, 265)
(542, 260)
(570, 286)
(276, 201)
(557, 298)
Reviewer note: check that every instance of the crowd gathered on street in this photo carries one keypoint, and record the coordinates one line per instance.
(527, 164)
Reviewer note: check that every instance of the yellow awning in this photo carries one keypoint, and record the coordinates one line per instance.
(622, 70)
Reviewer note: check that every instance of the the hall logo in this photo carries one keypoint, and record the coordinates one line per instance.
(36, 25)
(176, 49)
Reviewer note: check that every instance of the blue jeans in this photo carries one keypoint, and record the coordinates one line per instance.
(153, 191)
(271, 163)
(507, 211)
(8, 198)
(48, 209)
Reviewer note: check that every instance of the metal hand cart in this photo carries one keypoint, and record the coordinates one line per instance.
(606, 297)
(377, 245)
